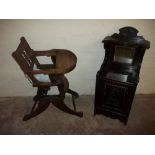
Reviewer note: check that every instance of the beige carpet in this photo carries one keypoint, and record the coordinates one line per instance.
(54, 121)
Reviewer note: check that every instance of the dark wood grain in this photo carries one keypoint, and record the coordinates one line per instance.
(114, 94)
(63, 60)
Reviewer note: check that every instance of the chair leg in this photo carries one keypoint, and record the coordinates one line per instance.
(41, 101)
(73, 93)
(60, 104)
(63, 89)
(74, 96)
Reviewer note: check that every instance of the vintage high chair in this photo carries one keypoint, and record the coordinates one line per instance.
(44, 76)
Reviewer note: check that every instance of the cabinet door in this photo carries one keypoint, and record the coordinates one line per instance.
(114, 97)
(111, 96)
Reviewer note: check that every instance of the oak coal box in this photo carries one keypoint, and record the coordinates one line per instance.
(117, 79)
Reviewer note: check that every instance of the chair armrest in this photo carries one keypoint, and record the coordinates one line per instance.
(45, 53)
(46, 66)
(47, 71)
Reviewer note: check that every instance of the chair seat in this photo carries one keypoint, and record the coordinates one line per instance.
(41, 77)
(44, 80)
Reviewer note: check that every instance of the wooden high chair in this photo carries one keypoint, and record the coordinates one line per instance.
(44, 76)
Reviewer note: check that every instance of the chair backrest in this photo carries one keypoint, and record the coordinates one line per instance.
(25, 58)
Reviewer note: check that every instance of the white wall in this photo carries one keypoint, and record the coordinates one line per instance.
(83, 37)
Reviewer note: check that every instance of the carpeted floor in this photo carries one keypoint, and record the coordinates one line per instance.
(54, 121)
